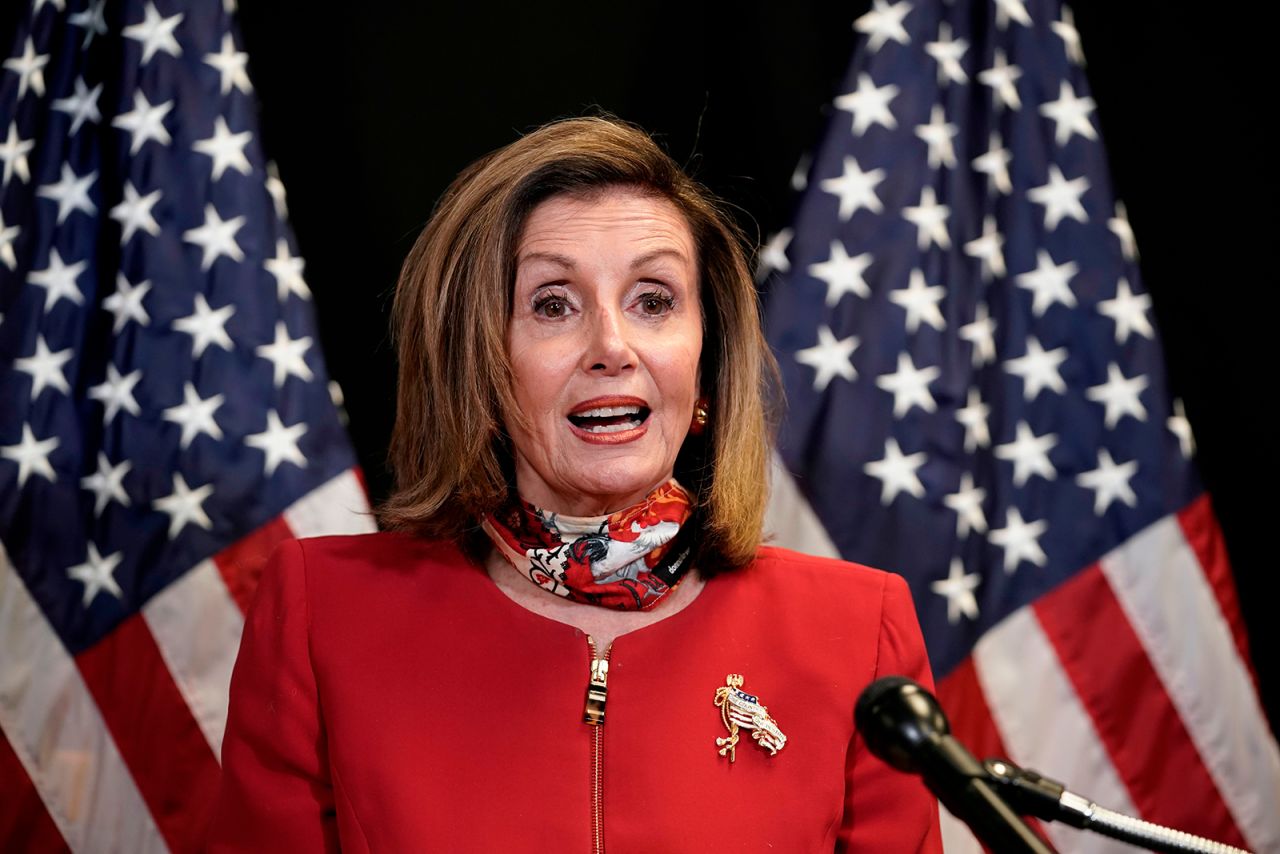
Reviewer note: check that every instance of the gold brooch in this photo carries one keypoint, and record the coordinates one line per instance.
(740, 709)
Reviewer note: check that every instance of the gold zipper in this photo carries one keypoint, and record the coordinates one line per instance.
(593, 716)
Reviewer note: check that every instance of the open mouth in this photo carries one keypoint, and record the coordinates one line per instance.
(609, 419)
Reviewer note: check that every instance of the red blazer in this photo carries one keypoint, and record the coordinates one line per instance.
(389, 697)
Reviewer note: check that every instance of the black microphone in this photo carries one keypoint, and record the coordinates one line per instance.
(903, 724)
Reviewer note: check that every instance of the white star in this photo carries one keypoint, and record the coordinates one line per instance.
(830, 358)
(1029, 454)
(287, 270)
(107, 483)
(973, 417)
(31, 455)
(1179, 426)
(134, 213)
(144, 122)
(1109, 481)
(1049, 283)
(958, 589)
(195, 415)
(8, 233)
(1020, 540)
(71, 193)
(60, 279)
(1060, 198)
(30, 69)
(884, 23)
(60, 5)
(982, 335)
(930, 220)
(1119, 225)
(275, 189)
(988, 248)
(896, 472)
(92, 21)
(967, 504)
(216, 237)
(855, 188)
(948, 53)
(206, 326)
(937, 134)
(96, 575)
(230, 64)
(909, 386)
(1011, 9)
(842, 274)
(1038, 369)
(1003, 79)
(184, 506)
(279, 443)
(1129, 311)
(995, 165)
(226, 149)
(1065, 28)
(286, 355)
(82, 106)
(45, 368)
(126, 303)
(800, 175)
(1120, 396)
(1070, 115)
(773, 255)
(116, 393)
(13, 151)
(869, 105)
(155, 33)
(920, 301)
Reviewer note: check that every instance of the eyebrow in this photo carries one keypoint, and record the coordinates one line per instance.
(569, 264)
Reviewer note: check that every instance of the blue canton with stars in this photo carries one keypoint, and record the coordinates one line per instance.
(976, 390)
(162, 392)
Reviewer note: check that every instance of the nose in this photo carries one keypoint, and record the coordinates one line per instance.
(608, 349)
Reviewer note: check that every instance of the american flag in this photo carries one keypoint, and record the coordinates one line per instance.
(977, 400)
(165, 416)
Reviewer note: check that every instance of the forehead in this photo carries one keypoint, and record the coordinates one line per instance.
(619, 216)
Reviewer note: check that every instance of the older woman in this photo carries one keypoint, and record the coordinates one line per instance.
(571, 637)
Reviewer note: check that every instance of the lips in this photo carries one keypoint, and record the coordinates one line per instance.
(610, 420)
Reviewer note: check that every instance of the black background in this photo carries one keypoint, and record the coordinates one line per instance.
(370, 112)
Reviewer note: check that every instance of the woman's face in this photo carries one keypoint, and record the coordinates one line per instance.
(604, 339)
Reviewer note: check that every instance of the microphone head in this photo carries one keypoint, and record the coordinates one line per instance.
(899, 720)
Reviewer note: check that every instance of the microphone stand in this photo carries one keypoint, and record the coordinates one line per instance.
(1031, 794)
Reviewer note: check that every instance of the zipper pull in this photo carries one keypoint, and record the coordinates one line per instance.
(597, 692)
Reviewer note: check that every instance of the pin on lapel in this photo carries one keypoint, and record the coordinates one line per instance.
(738, 709)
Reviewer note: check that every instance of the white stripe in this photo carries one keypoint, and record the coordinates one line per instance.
(338, 507)
(789, 521)
(197, 626)
(51, 721)
(1045, 726)
(1167, 598)
(956, 836)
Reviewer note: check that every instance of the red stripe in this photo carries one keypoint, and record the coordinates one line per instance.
(25, 824)
(164, 749)
(1201, 530)
(241, 562)
(1141, 730)
(966, 708)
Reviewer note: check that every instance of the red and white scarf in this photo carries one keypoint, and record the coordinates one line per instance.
(626, 560)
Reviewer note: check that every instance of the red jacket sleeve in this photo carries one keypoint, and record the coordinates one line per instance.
(885, 809)
(276, 794)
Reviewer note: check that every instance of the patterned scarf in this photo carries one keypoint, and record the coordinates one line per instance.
(627, 560)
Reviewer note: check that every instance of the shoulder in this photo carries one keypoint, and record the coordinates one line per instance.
(779, 566)
(380, 549)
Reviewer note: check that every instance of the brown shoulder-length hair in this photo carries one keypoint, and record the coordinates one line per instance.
(449, 451)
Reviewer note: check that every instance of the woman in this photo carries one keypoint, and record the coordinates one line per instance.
(571, 636)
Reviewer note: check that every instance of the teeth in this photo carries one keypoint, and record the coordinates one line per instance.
(611, 428)
(608, 412)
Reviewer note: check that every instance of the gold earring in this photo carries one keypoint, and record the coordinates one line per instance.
(701, 415)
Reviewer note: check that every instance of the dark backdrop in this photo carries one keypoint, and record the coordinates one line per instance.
(371, 109)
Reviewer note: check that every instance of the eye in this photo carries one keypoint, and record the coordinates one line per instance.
(656, 303)
(551, 305)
